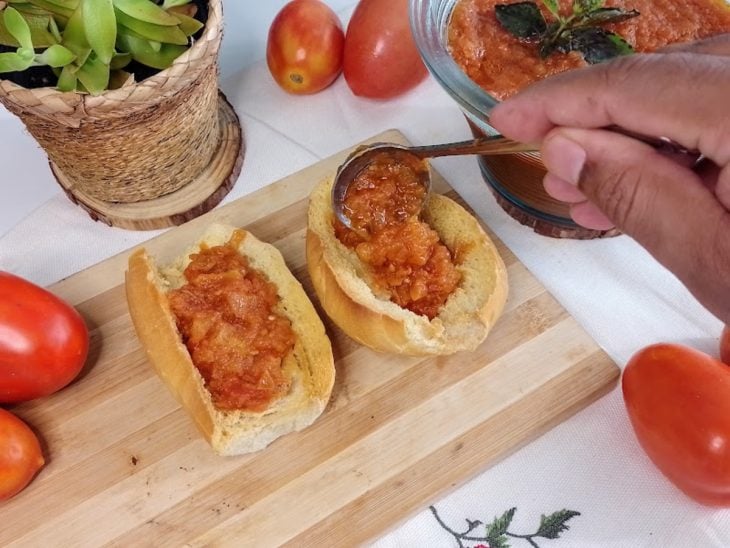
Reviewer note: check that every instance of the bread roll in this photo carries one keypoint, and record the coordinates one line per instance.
(340, 280)
(309, 366)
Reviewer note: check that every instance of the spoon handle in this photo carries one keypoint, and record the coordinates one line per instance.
(498, 144)
(483, 145)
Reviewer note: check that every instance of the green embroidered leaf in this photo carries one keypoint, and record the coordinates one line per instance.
(522, 19)
(551, 526)
(56, 56)
(598, 45)
(12, 62)
(144, 10)
(100, 27)
(496, 531)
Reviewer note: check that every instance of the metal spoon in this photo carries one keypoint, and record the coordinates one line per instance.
(365, 155)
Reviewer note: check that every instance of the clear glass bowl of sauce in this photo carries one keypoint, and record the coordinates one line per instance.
(516, 180)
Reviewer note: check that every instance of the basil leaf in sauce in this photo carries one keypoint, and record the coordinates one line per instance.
(522, 19)
(578, 31)
(598, 45)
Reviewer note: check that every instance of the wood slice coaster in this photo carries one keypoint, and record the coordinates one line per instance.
(199, 196)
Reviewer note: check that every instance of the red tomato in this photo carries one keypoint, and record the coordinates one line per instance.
(381, 59)
(725, 345)
(678, 400)
(304, 46)
(43, 341)
(20, 455)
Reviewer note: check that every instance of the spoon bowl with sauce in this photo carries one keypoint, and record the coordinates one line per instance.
(380, 162)
(377, 161)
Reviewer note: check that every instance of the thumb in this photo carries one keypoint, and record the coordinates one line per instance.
(660, 203)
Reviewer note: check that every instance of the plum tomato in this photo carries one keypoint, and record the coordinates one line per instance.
(381, 59)
(304, 46)
(725, 345)
(44, 341)
(678, 401)
(20, 455)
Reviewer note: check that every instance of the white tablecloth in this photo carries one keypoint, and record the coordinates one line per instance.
(591, 463)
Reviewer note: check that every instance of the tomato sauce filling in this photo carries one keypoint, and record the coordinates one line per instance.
(226, 314)
(502, 64)
(404, 254)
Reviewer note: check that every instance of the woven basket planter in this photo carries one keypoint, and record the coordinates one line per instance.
(147, 155)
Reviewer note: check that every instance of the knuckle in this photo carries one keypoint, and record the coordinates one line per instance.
(615, 193)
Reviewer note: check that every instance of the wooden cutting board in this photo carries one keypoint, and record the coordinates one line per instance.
(127, 467)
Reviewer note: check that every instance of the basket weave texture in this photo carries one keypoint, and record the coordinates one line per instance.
(138, 142)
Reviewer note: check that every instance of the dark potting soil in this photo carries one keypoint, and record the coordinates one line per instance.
(40, 77)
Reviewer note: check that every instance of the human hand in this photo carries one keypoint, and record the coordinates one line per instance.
(680, 213)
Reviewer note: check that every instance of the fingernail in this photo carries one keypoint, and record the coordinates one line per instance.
(563, 158)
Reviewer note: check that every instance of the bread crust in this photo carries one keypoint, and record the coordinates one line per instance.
(340, 281)
(310, 364)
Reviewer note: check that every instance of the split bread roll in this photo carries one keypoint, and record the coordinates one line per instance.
(341, 282)
(308, 366)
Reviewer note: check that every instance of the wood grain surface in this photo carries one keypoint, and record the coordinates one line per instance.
(126, 466)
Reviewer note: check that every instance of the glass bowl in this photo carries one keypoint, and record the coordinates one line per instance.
(515, 180)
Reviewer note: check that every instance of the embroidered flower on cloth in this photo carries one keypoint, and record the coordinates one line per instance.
(498, 535)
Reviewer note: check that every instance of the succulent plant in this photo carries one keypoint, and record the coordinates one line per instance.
(87, 44)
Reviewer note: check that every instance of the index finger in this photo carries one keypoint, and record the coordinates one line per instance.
(680, 95)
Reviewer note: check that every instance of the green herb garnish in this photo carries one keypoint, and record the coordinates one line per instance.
(579, 31)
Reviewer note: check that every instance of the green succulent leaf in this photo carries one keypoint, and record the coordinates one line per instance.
(56, 56)
(100, 26)
(40, 31)
(144, 53)
(13, 61)
(159, 33)
(167, 4)
(67, 79)
(120, 60)
(17, 27)
(144, 10)
(94, 75)
(26, 8)
(189, 25)
(62, 11)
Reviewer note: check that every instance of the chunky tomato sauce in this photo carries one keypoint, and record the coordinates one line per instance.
(406, 257)
(501, 64)
(225, 313)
